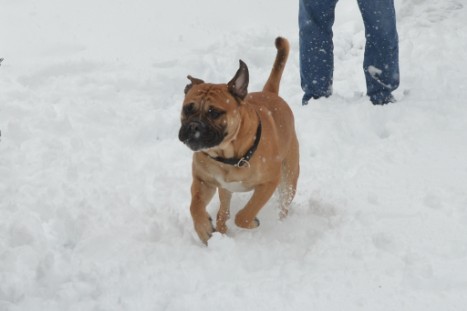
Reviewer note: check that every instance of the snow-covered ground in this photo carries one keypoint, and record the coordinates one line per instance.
(94, 184)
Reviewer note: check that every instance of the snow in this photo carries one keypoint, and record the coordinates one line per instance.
(95, 186)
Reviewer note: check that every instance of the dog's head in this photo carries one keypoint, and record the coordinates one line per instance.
(210, 113)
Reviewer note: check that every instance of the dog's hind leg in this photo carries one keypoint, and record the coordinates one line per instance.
(288, 182)
(246, 217)
(224, 210)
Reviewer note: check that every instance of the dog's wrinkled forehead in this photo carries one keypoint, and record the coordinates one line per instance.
(206, 95)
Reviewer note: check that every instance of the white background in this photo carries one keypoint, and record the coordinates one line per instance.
(94, 184)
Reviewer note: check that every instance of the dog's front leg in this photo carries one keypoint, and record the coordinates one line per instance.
(246, 218)
(224, 210)
(201, 195)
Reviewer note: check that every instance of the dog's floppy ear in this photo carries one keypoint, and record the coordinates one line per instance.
(194, 81)
(238, 86)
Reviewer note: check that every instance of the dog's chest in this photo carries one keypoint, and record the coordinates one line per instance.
(232, 186)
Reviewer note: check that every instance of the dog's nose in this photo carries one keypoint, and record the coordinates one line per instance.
(195, 128)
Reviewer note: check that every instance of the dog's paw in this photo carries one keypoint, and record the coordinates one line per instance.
(204, 229)
(246, 223)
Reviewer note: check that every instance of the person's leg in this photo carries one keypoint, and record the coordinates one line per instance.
(316, 18)
(381, 60)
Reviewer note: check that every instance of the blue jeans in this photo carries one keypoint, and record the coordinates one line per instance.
(381, 59)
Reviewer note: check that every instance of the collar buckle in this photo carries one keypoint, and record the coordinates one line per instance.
(242, 162)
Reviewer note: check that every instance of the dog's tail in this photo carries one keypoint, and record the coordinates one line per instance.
(272, 85)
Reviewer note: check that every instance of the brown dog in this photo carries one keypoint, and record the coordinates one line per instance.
(241, 141)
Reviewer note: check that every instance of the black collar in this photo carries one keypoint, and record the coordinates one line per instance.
(246, 158)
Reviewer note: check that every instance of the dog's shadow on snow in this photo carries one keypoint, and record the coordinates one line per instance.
(307, 220)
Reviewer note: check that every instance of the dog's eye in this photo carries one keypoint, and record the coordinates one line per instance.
(189, 109)
(214, 114)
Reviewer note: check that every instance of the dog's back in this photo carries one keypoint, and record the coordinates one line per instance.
(284, 125)
(269, 98)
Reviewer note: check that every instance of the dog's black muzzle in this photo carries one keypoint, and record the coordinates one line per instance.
(198, 135)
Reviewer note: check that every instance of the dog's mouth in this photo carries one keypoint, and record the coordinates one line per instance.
(198, 136)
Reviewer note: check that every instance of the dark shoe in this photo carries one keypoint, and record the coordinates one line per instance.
(383, 101)
(306, 98)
